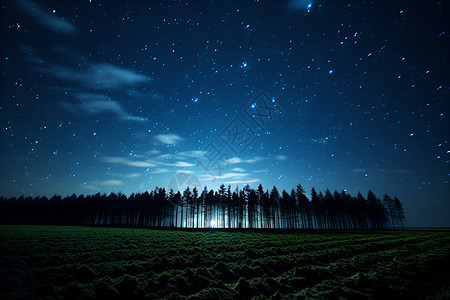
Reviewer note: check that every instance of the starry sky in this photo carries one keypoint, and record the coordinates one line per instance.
(109, 96)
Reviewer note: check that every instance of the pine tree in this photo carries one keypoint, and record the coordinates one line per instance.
(399, 211)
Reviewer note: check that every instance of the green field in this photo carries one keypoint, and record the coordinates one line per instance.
(108, 263)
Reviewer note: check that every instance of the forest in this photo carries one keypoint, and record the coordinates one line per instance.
(223, 208)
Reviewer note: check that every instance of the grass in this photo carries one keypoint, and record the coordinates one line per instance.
(114, 263)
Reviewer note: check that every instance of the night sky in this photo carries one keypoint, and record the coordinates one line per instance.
(126, 96)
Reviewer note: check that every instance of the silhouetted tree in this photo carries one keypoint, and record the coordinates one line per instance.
(195, 205)
(242, 208)
(274, 200)
(303, 207)
(400, 212)
(377, 212)
(315, 208)
(252, 209)
(390, 207)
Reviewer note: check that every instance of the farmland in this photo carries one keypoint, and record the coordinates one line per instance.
(108, 263)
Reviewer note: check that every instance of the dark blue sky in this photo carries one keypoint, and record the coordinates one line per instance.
(126, 96)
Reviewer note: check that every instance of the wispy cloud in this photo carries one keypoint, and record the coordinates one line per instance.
(182, 164)
(237, 160)
(90, 83)
(242, 181)
(128, 162)
(95, 186)
(179, 155)
(168, 139)
(111, 182)
(238, 170)
(90, 187)
(130, 175)
(96, 104)
(234, 160)
(146, 163)
(108, 76)
(45, 18)
(91, 76)
(159, 171)
(253, 160)
(185, 172)
(96, 76)
(153, 152)
(225, 176)
(174, 164)
(230, 178)
(193, 153)
(133, 175)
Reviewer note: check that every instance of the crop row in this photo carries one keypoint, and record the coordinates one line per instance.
(114, 262)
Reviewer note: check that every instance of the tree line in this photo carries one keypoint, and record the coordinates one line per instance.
(223, 208)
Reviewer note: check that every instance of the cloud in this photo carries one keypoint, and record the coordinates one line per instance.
(165, 156)
(111, 182)
(193, 153)
(242, 181)
(359, 170)
(168, 139)
(47, 19)
(260, 171)
(177, 159)
(160, 171)
(131, 175)
(90, 187)
(127, 162)
(253, 160)
(176, 164)
(144, 163)
(97, 76)
(108, 76)
(281, 157)
(233, 175)
(237, 160)
(97, 103)
(230, 178)
(225, 176)
(237, 170)
(182, 164)
(94, 186)
(153, 152)
(234, 160)
(185, 172)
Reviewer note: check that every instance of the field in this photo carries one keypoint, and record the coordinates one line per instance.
(112, 263)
